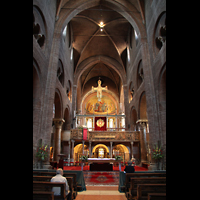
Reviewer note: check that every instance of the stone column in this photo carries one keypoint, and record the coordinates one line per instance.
(143, 140)
(74, 96)
(69, 142)
(72, 148)
(132, 149)
(111, 143)
(116, 123)
(90, 149)
(93, 125)
(83, 146)
(83, 154)
(127, 110)
(57, 137)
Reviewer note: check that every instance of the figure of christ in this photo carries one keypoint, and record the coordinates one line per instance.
(99, 90)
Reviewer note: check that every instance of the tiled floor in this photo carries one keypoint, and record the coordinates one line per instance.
(101, 192)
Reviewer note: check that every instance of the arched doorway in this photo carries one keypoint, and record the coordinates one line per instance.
(78, 151)
(100, 151)
(122, 151)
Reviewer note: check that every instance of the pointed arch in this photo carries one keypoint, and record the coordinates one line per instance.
(58, 104)
(142, 106)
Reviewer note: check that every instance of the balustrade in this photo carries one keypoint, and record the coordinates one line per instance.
(106, 135)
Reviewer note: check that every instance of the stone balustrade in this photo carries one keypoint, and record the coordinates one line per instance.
(76, 134)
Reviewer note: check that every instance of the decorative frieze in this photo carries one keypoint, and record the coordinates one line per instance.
(106, 135)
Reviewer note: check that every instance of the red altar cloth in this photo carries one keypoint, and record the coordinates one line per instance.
(98, 128)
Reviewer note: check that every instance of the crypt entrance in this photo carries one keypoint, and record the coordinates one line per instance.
(100, 151)
(103, 150)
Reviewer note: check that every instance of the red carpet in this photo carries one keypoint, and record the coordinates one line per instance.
(101, 178)
(86, 168)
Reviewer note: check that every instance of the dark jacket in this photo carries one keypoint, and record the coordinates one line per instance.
(129, 169)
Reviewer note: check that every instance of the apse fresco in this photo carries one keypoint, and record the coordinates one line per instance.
(106, 105)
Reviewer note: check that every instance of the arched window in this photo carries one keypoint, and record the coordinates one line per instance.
(140, 74)
(89, 124)
(39, 28)
(60, 72)
(160, 32)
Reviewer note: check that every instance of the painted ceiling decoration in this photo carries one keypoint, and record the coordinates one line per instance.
(105, 106)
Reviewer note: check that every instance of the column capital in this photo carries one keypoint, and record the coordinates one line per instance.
(72, 141)
(142, 123)
(58, 122)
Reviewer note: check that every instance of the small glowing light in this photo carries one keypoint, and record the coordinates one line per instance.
(101, 29)
(136, 35)
(128, 54)
(101, 24)
(71, 56)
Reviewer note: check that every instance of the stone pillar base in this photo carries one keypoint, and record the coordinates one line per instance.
(47, 166)
(152, 167)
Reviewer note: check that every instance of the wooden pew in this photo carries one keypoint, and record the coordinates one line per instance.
(47, 186)
(75, 183)
(41, 195)
(156, 196)
(129, 175)
(147, 180)
(65, 174)
(48, 179)
(144, 189)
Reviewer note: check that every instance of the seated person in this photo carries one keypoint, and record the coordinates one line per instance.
(60, 178)
(129, 168)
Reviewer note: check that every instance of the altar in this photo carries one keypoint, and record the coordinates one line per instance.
(101, 160)
(102, 164)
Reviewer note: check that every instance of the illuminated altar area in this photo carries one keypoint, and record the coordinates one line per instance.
(100, 132)
(100, 111)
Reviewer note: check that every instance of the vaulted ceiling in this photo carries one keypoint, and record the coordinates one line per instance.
(91, 40)
(100, 31)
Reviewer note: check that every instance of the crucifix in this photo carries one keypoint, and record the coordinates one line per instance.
(99, 89)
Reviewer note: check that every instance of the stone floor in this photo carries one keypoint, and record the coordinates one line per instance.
(101, 192)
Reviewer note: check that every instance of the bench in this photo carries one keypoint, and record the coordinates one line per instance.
(132, 193)
(47, 186)
(144, 189)
(48, 179)
(40, 195)
(129, 175)
(157, 196)
(65, 174)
